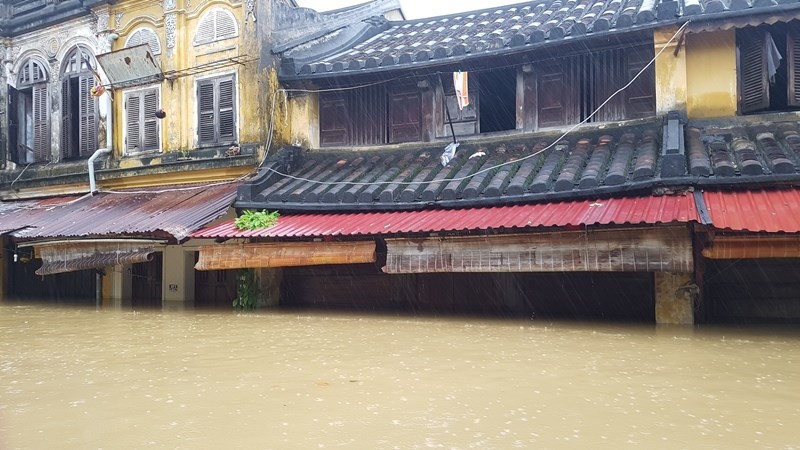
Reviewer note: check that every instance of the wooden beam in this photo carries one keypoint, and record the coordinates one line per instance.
(754, 247)
(283, 254)
(666, 249)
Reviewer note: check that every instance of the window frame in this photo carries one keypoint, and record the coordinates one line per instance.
(215, 81)
(88, 107)
(37, 92)
(141, 93)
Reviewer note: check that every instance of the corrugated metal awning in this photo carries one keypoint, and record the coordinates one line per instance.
(284, 254)
(73, 256)
(132, 66)
(761, 210)
(163, 212)
(633, 210)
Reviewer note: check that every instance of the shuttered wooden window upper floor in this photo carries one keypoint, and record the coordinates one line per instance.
(769, 67)
(28, 115)
(216, 106)
(142, 131)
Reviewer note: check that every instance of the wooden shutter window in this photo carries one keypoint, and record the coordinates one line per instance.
(88, 116)
(145, 36)
(333, 119)
(754, 86)
(793, 67)
(227, 120)
(67, 120)
(553, 95)
(207, 119)
(133, 108)
(150, 135)
(640, 98)
(41, 122)
(216, 107)
(406, 116)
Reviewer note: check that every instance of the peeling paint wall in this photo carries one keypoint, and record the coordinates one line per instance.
(671, 92)
(305, 120)
(711, 74)
(185, 61)
(51, 46)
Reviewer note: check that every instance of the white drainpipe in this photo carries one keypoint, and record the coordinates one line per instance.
(109, 126)
(98, 152)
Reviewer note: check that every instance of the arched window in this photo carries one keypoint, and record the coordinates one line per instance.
(215, 25)
(32, 72)
(145, 36)
(28, 115)
(78, 104)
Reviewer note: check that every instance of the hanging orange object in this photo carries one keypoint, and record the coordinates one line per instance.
(461, 83)
(98, 90)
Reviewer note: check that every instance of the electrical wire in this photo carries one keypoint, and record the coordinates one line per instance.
(497, 166)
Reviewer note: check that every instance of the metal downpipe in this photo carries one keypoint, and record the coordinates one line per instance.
(98, 152)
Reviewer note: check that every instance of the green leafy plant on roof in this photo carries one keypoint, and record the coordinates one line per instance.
(256, 220)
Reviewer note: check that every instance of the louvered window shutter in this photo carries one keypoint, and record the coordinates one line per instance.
(66, 120)
(225, 26)
(133, 109)
(150, 136)
(227, 116)
(41, 122)
(754, 86)
(207, 117)
(13, 126)
(793, 67)
(88, 118)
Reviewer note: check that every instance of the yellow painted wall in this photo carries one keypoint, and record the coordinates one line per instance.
(185, 63)
(671, 93)
(711, 74)
(304, 118)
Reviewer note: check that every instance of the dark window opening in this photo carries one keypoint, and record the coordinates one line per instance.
(769, 67)
(497, 90)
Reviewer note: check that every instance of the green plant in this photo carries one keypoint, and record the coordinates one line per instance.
(246, 290)
(184, 153)
(254, 220)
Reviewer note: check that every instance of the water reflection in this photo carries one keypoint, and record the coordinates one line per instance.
(80, 378)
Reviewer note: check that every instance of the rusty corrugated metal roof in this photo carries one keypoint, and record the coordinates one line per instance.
(158, 212)
(634, 210)
(774, 210)
(132, 66)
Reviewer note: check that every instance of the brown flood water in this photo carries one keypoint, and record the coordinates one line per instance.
(78, 378)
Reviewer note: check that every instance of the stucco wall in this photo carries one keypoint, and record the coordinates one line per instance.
(711, 74)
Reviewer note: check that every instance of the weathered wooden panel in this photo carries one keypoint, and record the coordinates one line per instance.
(405, 115)
(284, 254)
(645, 250)
(333, 126)
(755, 247)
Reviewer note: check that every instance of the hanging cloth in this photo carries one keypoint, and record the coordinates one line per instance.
(461, 83)
(773, 57)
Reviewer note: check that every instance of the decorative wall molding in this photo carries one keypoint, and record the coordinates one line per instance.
(171, 28)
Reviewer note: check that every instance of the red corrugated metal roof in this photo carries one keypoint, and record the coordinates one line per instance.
(775, 210)
(636, 210)
(175, 211)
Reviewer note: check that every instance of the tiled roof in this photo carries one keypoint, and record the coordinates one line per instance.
(493, 30)
(517, 170)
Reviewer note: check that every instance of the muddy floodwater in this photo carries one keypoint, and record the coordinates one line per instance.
(79, 378)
